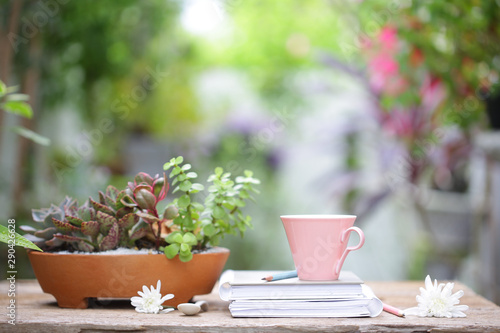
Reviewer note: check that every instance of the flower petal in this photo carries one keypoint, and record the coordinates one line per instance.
(145, 290)
(458, 294)
(158, 285)
(415, 311)
(140, 310)
(428, 283)
(166, 297)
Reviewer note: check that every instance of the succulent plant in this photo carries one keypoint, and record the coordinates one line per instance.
(130, 217)
(95, 226)
(44, 235)
(144, 194)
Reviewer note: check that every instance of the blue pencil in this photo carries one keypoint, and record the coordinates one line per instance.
(280, 276)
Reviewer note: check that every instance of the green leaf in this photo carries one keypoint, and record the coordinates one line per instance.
(171, 250)
(19, 240)
(139, 233)
(185, 248)
(86, 213)
(102, 208)
(218, 171)
(145, 199)
(169, 164)
(197, 206)
(105, 221)
(158, 186)
(30, 135)
(191, 175)
(45, 233)
(112, 192)
(102, 199)
(64, 226)
(189, 238)
(185, 257)
(244, 194)
(19, 108)
(186, 167)
(184, 201)
(3, 89)
(174, 237)
(219, 212)
(209, 230)
(128, 221)
(66, 238)
(239, 203)
(187, 222)
(90, 228)
(143, 177)
(194, 215)
(17, 97)
(111, 240)
(215, 240)
(185, 186)
(123, 211)
(175, 171)
(229, 206)
(197, 187)
(74, 220)
(179, 160)
(178, 220)
(127, 201)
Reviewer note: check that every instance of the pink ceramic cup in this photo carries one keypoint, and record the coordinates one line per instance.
(319, 243)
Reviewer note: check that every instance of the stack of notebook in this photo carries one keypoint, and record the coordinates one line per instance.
(251, 296)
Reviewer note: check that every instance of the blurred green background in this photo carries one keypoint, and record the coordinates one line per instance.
(362, 107)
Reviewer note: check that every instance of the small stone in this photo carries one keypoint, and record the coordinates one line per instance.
(189, 309)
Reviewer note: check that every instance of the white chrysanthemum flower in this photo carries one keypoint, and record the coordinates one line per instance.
(151, 300)
(437, 301)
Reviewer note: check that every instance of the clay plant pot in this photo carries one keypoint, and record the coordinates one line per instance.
(73, 278)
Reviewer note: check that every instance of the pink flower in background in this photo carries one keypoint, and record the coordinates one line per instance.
(384, 75)
(433, 94)
(388, 38)
(382, 65)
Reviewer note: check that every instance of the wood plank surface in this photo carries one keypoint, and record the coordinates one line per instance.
(38, 312)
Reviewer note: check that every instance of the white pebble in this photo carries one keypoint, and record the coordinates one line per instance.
(189, 309)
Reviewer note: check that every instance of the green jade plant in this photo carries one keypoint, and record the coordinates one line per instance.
(129, 218)
(196, 225)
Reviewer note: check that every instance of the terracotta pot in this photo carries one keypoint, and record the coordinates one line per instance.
(73, 278)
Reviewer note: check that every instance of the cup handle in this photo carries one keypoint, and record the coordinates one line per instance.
(349, 249)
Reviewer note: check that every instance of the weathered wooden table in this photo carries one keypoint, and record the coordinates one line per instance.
(38, 312)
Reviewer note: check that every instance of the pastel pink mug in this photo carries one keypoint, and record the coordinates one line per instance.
(319, 243)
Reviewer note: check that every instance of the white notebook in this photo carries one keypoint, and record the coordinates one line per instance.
(252, 297)
(249, 285)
